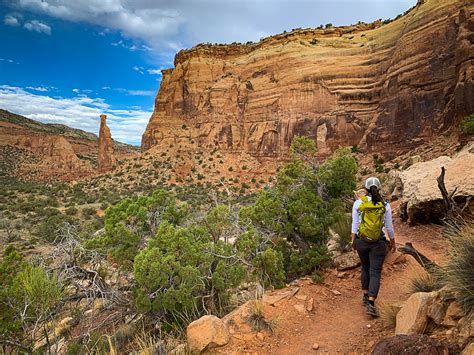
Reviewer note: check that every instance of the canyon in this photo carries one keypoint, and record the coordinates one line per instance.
(383, 87)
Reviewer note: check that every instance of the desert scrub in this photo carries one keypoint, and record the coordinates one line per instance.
(421, 282)
(257, 320)
(458, 272)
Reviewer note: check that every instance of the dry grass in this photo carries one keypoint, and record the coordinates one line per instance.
(421, 282)
(388, 313)
(257, 320)
(148, 344)
(343, 229)
(458, 272)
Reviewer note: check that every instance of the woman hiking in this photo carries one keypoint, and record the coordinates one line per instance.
(370, 214)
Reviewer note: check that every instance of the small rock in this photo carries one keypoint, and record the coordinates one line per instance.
(260, 336)
(301, 297)
(89, 311)
(453, 314)
(341, 275)
(179, 350)
(310, 304)
(300, 308)
(207, 332)
(368, 326)
(315, 346)
(346, 261)
(336, 292)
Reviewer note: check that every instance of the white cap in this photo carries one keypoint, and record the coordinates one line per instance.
(372, 181)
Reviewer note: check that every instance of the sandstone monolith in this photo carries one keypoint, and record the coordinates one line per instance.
(105, 157)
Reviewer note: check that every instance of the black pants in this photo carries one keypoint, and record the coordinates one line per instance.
(372, 256)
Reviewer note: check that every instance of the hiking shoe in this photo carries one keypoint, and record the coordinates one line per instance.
(365, 299)
(371, 310)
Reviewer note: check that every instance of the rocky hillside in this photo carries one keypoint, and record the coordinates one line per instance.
(386, 86)
(37, 150)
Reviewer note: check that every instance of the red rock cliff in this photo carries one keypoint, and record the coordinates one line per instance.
(105, 157)
(380, 86)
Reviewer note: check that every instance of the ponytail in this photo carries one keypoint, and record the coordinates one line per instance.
(374, 192)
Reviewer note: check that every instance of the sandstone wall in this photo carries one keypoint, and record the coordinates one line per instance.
(379, 86)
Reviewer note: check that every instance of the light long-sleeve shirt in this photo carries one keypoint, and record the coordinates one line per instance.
(387, 219)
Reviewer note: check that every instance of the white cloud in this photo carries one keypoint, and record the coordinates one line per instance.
(131, 47)
(38, 88)
(8, 60)
(140, 92)
(126, 125)
(131, 92)
(38, 26)
(12, 20)
(169, 25)
(139, 69)
(155, 71)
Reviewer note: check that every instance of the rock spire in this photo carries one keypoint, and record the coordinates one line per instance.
(105, 157)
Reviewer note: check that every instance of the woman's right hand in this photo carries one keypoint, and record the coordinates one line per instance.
(393, 246)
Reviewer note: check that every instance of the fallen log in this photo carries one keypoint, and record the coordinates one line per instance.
(429, 265)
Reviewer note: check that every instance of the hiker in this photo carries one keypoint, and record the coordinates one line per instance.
(369, 215)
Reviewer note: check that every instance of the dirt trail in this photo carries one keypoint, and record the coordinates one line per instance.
(337, 323)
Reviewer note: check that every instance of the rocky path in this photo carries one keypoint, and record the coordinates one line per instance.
(337, 322)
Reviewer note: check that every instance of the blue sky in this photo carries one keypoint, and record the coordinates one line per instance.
(67, 61)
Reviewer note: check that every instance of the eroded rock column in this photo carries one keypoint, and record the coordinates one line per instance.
(105, 158)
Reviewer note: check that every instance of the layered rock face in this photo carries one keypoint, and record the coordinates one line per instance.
(38, 151)
(384, 87)
(53, 155)
(105, 157)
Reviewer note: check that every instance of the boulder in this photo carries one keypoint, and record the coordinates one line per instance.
(413, 316)
(346, 261)
(206, 333)
(422, 201)
(393, 186)
(415, 344)
(332, 244)
(439, 306)
(453, 314)
(469, 349)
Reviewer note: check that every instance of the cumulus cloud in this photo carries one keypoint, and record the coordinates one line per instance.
(12, 20)
(126, 125)
(169, 25)
(38, 26)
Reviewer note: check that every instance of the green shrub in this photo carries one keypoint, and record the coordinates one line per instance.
(89, 212)
(50, 229)
(71, 211)
(467, 124)
(338, 173)
(181, 275)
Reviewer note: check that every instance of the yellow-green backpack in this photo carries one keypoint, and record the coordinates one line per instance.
(371, 220)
